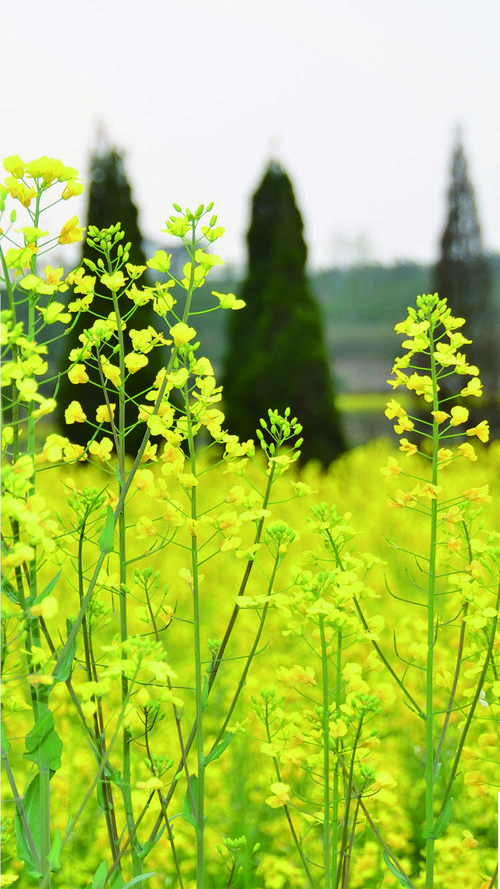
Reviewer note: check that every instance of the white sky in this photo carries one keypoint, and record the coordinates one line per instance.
(358, 99)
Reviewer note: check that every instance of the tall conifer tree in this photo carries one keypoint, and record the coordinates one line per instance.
(463, 275)
(110, 201)
(276, 356)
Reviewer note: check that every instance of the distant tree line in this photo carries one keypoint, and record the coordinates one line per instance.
(275, 352)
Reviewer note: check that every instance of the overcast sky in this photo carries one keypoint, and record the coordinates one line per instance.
(358, 99)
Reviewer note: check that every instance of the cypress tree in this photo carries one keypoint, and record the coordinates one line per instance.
(110, 201)
(463, 274)
(276, 356)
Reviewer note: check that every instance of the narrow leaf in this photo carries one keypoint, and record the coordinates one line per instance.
(139, 879)
(148, 846)
(46, 591)
(116, 880)
(28, 847)
(5, 742)
(441, 823)
(187, 809)
(63, 668)
(55, 851)
(100, 876)
(106, 538)
(218, 749)
(9, 590)
(393, 869)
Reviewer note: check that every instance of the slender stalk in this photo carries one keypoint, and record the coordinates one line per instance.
(336, 776)
(431, 637)
(216, 663)
(122, 555)
(468, 720)
(251, 655)
(344, 848)
(291, 825)
(41, 695)
(199, 704)
(327, 874)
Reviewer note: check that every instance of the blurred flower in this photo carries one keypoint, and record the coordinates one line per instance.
(281, 795)
(71, 233)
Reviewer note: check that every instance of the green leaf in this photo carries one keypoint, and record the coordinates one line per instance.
(218, 750)
(9, 590)
(139, 879)
(393, 869)
(46, 592)
(441, 823)
(187, 810)
(148, 846)
(443, 820)
(100, 876)
(5, 742)
(55, 851)
(43, 744)
(63, 668)
(27, 851)
(116, 880)
(106, 538)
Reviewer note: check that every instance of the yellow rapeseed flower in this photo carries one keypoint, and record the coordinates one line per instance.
(482, 430)
(466, 450)
(105, 412)
(404, 424)
(19, 191)
(101, 449)
(440, 416)
(459, 415)
(72, 189)
(182, 334)
(111, 371)
(281, 795)
(71, 233)
(481, 494)
(78, 374)
(474, 387)
(407, 447)
(394, 409)
(13, 164)
(74, 413)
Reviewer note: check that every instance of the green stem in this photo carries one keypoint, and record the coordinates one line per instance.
(326, 757)
(349, 784)
(41, 699)
(458, 753)
(216, 663)
(431, 636)
(335, 801)
(251, 655)
(199, 704)
(122, 555)
(287, 810)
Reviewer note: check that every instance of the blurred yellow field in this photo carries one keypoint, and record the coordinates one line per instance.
(355, 485)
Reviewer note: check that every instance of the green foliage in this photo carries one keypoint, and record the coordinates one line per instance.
(276, 353)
